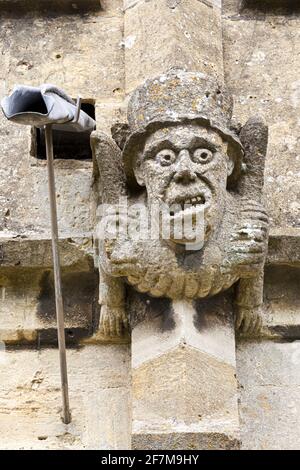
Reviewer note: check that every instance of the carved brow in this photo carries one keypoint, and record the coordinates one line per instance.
(156, 147)
(198, 142)
(195, 142)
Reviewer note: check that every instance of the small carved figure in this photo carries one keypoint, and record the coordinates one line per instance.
(182, 151)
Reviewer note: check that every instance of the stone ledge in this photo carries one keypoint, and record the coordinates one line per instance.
(268, 4)
(269, 377)
(27, 304)
(37, 253)
(172, 3)
(257, 9)
(185, 440)
(284, 248)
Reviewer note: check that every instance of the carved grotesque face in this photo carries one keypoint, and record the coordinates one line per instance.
(186, 165)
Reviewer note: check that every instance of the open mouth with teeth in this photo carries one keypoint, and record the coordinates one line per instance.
(190, 204)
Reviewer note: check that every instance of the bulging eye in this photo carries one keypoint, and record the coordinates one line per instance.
(166, 157)
(202, 156)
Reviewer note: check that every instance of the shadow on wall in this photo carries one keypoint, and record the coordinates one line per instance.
(80, 292)
(282, 300)
(49, 7)
(281, 7)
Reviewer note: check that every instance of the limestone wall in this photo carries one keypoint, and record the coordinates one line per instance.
(31, 400)
(103, 53)
(261, 56)
(80, 49)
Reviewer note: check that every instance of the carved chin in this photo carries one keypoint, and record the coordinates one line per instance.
(195, 229)
(188, 225)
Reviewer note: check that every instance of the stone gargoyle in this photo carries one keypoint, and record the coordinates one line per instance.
(181, 148)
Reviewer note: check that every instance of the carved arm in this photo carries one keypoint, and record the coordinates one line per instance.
(112, 186)
(254, 137)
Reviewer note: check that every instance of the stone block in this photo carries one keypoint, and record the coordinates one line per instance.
(16, 6)
(282, 301)
(268, 373)
(30, 399)
(158, 38)
(58, 48)
(27, 303)
(184, 388)
(262, 72)
(270, 5)
(27, 306)
(284, 246)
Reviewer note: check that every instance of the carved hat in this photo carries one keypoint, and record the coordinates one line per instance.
(177, 98)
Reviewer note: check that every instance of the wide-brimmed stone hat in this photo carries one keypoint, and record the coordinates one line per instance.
(177, 98)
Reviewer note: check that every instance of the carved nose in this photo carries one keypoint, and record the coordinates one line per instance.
(184, 173)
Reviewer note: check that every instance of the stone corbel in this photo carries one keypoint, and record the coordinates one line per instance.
(181, 148)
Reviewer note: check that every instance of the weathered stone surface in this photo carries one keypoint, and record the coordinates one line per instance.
(169, 117)
(62, 6)
(284, 246)
(151, 48)
(184, 386)
(104, 53)
(269, 378)
(27, 312)
(27, 305)
(282, 301)
(57, 47)
(262, 70)
(181, 156)
(257, 7)
(25, 262)
(30, 399)
(282, 6)
(185, 440)
(76, 253)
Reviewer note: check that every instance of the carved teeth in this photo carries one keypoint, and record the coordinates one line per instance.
(181, 205)
(195, 200)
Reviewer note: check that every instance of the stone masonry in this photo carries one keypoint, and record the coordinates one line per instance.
(195, 101)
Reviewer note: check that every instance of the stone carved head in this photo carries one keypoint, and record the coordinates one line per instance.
(181, 148)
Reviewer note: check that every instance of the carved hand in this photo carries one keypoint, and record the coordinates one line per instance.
(113, 321)
(248, 320)
(250, 237)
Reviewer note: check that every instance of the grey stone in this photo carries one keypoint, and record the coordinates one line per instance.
(105, 54)
(30, 399)
(269, 378)
(181, 149)
(151, 49)
(184, 390)
(173, 111)
(262, 83)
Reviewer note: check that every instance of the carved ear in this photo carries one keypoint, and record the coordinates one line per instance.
(138, 171)
(254, 138)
